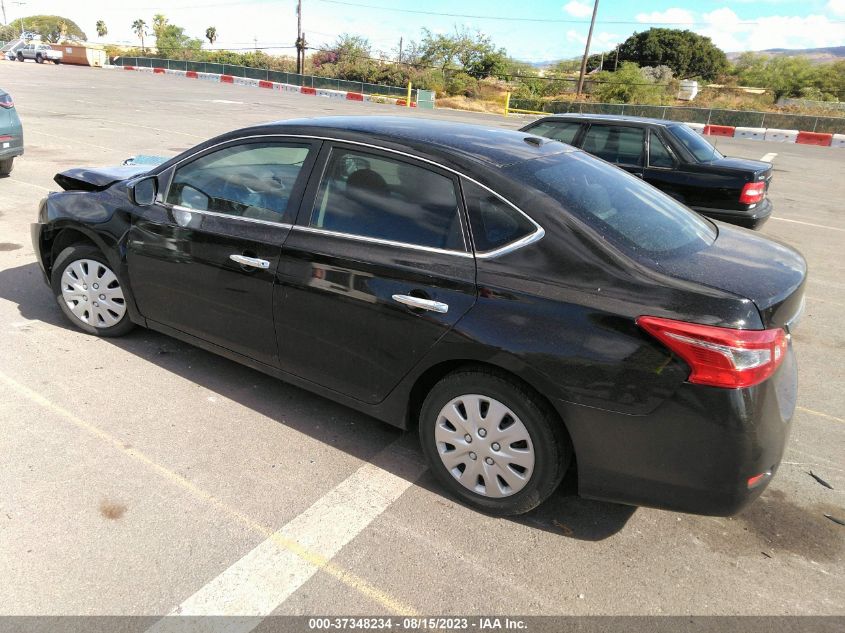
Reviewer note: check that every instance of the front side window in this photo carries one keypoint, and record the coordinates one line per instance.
(637, 218)
(564, 131)
(252, 181)
(493, 222)
(616, 144)
(373, 196)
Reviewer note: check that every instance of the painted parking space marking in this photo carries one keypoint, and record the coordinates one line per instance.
(819, 226)
(768, 158)
(268, 575)
(393, 457)
(820, 414)
(29, 184)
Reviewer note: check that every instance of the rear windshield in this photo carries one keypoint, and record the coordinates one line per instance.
(696, 145)
(634, 216)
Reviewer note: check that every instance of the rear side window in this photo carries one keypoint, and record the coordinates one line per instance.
(616, 144)
(696, 144)
(374, 196)
(494, 223)
(634, 216)
(564, 131)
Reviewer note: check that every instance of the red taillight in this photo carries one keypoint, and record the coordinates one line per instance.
(752, 193)
(719, 356)
(6, 102)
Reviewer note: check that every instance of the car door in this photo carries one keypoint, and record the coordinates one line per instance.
(202, 260)
(377, 269)
(622, 145)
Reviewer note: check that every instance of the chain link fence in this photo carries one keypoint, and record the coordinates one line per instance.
(294, 79)
(708, 116)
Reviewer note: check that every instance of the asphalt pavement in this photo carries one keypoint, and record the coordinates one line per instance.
(142, 476)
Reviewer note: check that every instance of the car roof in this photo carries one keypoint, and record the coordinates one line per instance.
(612, 117)
(447, 139)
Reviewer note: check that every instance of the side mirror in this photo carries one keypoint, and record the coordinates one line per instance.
(143, 192)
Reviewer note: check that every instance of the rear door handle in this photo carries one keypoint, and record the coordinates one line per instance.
(250, 261)
(423, 304)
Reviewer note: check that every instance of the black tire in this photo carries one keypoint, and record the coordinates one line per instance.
(20, 56)
(39, 59)
(6, 166)
(57, 61)
(552, 449)
(70, 255)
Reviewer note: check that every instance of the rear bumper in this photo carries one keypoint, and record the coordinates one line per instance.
(35, 230)
(11, 147)
(695, 453)
(750, 219)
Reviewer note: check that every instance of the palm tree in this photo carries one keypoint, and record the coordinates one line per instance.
(211, 35)
(139, 26)
(102, 30)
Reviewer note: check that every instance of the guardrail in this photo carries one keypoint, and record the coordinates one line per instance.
(247, 72)
(706, 116)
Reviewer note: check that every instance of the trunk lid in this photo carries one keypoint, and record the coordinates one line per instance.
(769, 273)
(84, 179)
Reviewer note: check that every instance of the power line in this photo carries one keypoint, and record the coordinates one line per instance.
(525, 19)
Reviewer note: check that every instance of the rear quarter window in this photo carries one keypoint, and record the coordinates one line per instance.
(564, 131)
(494, 223)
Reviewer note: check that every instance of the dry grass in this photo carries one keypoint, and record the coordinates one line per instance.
(473, 105)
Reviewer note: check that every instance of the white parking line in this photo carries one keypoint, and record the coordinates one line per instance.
(768, 158)
(268, 575)
(820, 226)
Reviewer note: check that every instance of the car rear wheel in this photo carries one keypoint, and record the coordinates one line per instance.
(492, 442)
(6, 166)
(39, 59)
(57, 61)
(89, 292)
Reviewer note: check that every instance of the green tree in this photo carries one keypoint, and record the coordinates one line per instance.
(686, 53)
(159, 24)
(51, 28)
(211, 35)
(784, 76)
(172, 42)
(139, 27)
(102, 29)
(626, 85)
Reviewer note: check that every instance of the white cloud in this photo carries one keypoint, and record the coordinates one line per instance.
(669, 16)
(836, 7)
(578, 9)
(602, 41)
(732, 33)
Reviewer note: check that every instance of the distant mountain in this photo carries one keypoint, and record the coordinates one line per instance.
(815, 55)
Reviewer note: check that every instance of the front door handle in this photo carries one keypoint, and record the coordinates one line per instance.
(423, 304)
(250, 261)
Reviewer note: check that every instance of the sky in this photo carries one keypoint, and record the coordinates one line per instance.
(532, 30)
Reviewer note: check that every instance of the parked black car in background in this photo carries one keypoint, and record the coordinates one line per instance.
(672, 157)
(526, 306)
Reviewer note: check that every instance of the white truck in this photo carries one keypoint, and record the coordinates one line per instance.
(40, 52)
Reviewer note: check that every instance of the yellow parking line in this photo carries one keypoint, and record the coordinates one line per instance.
(348, 578)
(820, 414)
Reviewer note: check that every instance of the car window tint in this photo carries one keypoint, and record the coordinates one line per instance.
(636, 217)
(564, 131)
(658, 154)
(696, 144)
(615, 144)
(373, 196)
(252, 181)
(494, 223)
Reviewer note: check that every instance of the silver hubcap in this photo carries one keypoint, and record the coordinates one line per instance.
(92, 293)
(484, 445)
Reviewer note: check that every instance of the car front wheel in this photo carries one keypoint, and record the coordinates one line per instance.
(89, 292)
(492, 442)
(20, 57)
(39, 59)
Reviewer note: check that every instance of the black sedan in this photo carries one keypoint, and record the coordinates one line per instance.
(675, 159)
(529, 308)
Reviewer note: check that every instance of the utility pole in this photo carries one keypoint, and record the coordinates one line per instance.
(300, 42)
(400, 49)
(587, 49)
(255, 42)
(616, 63)
(3, 5)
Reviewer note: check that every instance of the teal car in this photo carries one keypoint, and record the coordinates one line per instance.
(11, 134)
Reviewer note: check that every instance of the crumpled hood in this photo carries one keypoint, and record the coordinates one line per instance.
(97, 179)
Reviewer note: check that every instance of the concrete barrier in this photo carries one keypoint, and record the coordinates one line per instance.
(159, 71)
(781, 136)
(226, 79)
(265, 84)
(331, 94)
(838, 140)
(750, 133)
(814, 138)
(245, 81)
(698, 127)
(209, 77)
(180, 73)
(354, 96)
(308, 91)
(191, 74)
(719, 130)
